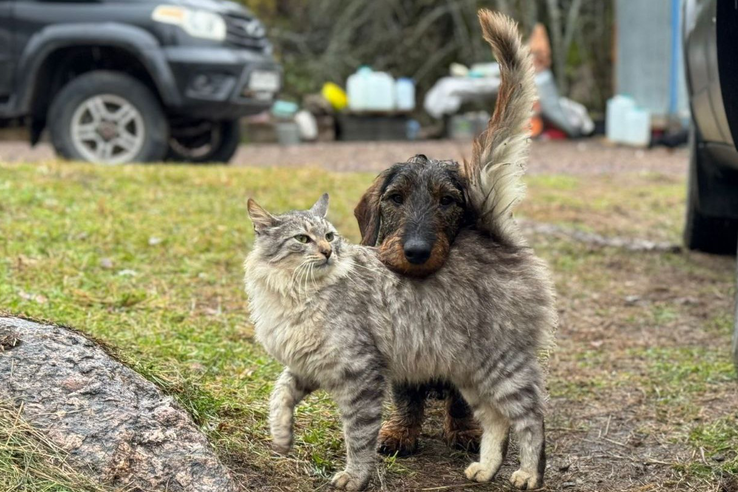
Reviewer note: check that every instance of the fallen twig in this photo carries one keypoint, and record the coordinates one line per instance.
(629, 244)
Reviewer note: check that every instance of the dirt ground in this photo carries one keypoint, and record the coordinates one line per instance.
(643, 393)
(590, 156)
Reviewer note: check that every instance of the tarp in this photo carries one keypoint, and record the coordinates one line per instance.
(449, 93)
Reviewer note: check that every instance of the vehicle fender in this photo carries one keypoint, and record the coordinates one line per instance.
(135, 40)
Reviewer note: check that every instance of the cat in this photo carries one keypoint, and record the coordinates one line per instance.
(339, 320)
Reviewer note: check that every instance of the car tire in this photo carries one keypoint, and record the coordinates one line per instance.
(208, 142)
(109, 118)
(715, 235)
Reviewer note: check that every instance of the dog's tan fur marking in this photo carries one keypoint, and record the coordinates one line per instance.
(391, 253)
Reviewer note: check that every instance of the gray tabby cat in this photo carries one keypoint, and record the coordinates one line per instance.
(339, 320)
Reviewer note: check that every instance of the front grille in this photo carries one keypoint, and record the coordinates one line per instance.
(245, 32)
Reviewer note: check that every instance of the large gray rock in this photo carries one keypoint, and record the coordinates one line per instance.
(115, 425)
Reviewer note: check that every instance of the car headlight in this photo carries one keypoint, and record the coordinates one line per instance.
(196, 23)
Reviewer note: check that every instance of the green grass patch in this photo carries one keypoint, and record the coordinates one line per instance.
(684, 371)
(717, 442)
(148, 260)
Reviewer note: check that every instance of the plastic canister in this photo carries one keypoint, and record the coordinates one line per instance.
(637, 127)
(371, 91)
(615, 122)
(405, 94)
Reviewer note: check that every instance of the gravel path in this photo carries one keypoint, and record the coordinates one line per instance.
(591, 156)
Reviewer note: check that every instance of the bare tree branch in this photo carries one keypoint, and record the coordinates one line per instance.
(559, 57)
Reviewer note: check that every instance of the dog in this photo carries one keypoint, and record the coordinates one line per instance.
(414, 210)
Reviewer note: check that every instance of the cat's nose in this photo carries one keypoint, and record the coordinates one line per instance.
(327, 252)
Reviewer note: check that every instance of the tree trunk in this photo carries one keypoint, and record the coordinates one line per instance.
(116, 427)
(557, 42)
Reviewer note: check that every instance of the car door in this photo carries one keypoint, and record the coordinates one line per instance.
(6, 49)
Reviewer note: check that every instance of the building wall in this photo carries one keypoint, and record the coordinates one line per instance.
(643, 68)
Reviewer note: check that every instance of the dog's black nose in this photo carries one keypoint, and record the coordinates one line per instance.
(417, 252)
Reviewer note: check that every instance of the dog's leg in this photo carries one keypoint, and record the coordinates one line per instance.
(495, 436)
(460, 429)
(399, 434)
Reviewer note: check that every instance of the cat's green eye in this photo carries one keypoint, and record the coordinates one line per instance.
(302, 238)
(329, 237)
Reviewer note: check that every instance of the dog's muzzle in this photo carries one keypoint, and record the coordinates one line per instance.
(417, 251)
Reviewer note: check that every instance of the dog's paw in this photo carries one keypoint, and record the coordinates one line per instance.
(345, 480)
(479, 472)
(463, 439)
(525, 481)
(397, 440)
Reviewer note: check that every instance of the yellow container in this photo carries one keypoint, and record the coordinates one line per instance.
(335, 95)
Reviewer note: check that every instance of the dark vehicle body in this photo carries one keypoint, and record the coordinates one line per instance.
(200, 84)
(711, 59)
(711, 54)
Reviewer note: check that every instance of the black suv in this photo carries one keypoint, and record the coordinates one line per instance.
(118, 81)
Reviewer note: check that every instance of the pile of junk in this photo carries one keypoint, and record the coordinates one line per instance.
(375, 106)
(554, 116)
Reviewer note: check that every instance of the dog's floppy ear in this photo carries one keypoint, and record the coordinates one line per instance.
(367, 211)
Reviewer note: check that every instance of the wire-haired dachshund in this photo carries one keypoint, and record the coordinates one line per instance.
(414, 210)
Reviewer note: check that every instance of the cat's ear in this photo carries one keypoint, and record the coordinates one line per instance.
(259, 216)
(321, 206)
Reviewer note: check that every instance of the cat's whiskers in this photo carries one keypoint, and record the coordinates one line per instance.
(299, 267)
(302, 281)
(296, 273)
(311, 276)
(352, 277)
(372, 270)
(297, 278)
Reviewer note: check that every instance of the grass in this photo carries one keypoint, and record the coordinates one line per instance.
(29, 461)
(147, 259)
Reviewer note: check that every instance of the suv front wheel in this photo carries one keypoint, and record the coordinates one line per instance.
(108, 118)
(204, 142)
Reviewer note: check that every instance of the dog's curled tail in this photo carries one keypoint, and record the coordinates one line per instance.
(501, 151)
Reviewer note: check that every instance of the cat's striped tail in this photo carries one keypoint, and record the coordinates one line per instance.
(500, 153)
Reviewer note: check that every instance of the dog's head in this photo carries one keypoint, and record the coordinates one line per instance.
(413, 212)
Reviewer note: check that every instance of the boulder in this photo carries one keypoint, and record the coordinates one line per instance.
(116, 426)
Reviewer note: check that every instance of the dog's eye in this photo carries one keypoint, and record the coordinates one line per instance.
(397, 198)
(447, 200)
(302, 238)
(329, 237)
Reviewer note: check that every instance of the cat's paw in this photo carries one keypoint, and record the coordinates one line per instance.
(479, 472)
(345, 480)
(282, 448)
(526, 481)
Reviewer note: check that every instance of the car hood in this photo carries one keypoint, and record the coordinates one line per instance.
(219, 6)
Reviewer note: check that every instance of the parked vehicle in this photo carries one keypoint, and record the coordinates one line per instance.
(117, 81)
(711, 39)
(711, 59)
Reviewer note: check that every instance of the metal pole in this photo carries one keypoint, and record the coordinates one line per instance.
(675, 56)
